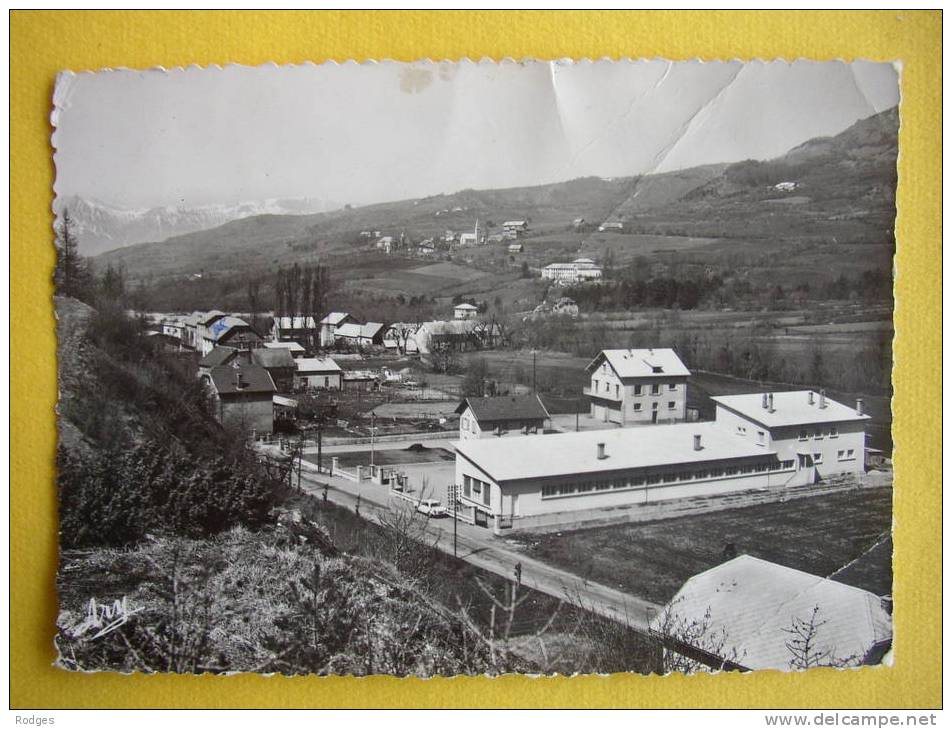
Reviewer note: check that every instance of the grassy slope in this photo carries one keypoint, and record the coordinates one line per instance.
(840, 219)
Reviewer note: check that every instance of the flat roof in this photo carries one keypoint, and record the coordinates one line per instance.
(789, 408)
(564, 454)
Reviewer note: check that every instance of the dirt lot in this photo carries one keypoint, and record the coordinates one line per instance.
(652, 560)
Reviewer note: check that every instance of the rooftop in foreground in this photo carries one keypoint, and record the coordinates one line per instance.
(563, 454)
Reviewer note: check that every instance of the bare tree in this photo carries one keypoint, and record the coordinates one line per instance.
(804, 648)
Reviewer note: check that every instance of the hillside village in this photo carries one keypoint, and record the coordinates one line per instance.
(597, 381)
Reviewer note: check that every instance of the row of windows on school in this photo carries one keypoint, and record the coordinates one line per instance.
(802, 435)
(670, 477)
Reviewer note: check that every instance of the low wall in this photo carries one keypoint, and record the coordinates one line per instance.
(399, 438)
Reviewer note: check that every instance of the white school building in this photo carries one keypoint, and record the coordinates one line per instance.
(538, 480)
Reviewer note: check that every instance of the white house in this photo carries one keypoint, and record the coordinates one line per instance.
(496, 417)
(360, 335)
(512, 229)
(318, 372)
(755, 614)
(329, 325)
(637, 386)
(465, 311)
(611, 225)
(823, 436)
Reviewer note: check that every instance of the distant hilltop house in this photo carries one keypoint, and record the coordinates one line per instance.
(487, 417)
(465, 311)
(578, 222)
(761, 615)
(579, 476)
(611, 226)
(515, 247)
(318, 372)
(578, 271)
(786, 186)
(242, 394)
(562, 307)
(512, 229)
(637, 386)
(386, 244)
(426, 248)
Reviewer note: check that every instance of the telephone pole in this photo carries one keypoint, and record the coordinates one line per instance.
(533, 372)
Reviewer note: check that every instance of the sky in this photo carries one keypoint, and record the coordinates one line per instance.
(363, 133)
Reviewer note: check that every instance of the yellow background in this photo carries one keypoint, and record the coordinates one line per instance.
(43, 43)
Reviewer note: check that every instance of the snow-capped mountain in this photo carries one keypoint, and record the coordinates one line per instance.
(100, 227)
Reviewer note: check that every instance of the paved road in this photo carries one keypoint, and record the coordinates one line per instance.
(479, 547)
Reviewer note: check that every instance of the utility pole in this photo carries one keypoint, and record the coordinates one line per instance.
(455, 519)
(533, 372)
(373, 419)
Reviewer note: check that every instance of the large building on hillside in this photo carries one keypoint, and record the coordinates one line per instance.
(535, 481)
(578, 271)
(637, 386)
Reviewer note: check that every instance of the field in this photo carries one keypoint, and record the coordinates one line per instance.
(819, 535)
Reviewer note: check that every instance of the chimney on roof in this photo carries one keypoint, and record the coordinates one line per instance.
(822, 399)
(600, 448)
(763, 401)
(239, 380)
(859, 406)
(810, 397)
(697, 442)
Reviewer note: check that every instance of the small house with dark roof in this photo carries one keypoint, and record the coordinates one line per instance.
(280, 365)
(494, 417)
(243, 396)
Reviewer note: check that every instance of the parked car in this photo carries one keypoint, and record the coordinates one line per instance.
(432, 508)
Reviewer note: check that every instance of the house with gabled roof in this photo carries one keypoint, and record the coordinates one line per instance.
(495, 417)
(330, 324)
(748, 613)
(637, 386)
(242, 393)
